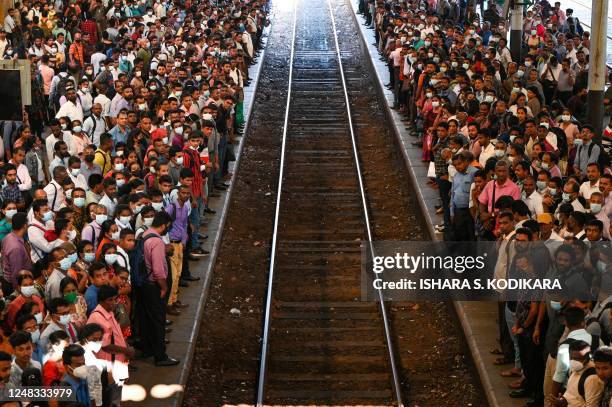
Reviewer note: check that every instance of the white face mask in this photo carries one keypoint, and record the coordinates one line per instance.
(81, 372)
(576, 365)
(179, 161)
(147, 222)
(64, 319)
(100, 219)
(10, 213)
(125, 220)
(28, 291)
(95, 346)
(158, 206)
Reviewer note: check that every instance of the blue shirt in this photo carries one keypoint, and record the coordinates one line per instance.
(80, 389)
(91, 298)
(118, 135)
(460, 190)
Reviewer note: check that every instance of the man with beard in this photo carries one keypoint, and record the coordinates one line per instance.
(72, 108)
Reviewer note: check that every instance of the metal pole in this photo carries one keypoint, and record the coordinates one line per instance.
(516, 33)
(597, 64)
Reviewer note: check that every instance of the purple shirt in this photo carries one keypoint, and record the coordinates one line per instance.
(15, 257)
(180, 223)
(155, 256)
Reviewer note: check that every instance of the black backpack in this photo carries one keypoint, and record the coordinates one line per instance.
(583, 377)
(138, 267)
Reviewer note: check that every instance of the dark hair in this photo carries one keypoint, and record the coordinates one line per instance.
(19, 338)
(22, 319)
(574, 316)
(161, 218)
(71, 351)
(88, 330)
(58, 336)
(95, 266)
(602, 354)
(54, 303)
(65, 281)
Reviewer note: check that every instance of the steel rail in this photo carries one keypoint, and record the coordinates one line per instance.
(267, 315)
(266, 329)
(383, 310)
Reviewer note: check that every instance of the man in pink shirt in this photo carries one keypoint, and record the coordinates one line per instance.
(153, 295)
(115, 351)
(495, 189)
(47, 73)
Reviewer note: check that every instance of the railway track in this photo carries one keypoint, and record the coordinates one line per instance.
(323, 345)
(314, 320)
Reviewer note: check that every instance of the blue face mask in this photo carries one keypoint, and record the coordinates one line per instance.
(47, 216)
(73, 257)
(541, 185)
(65, 263)
(555, 305)
(89, 257)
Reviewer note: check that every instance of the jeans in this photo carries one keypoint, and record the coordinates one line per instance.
(194, 219)
(510, 319)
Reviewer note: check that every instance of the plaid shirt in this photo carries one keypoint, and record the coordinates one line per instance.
(11, 192)
(439, 162)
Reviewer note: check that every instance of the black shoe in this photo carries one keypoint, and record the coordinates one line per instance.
(183, 283)
(220, 187)
(202, 237)
(518, 394)
(534, 403)
(211, 211)
(167, 362)
(191, 278)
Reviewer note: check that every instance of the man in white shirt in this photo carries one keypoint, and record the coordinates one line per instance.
(72, 108)
(595, 206)
(109, 199)
(531, 197)
(43, 221)
(592, 185)
(56, 198)
(95, 124)
(487, 149)
(23, 175)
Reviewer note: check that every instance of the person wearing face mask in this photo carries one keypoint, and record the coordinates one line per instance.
(9, 209)
(153, 295)
(27, 292)
(124, 218)
(37, 230)
(584, 388)
(78, 305)
(53, 368)
(146, 216)
(110, 235)
(115, 351)
(59, 311)
(27, 323)
(596, 201)
(76, 374)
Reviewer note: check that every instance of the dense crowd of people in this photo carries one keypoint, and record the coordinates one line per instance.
(136, 106)
(515, 161)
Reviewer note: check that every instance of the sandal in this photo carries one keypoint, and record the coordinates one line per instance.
(516, 384)
(514, 372)
(503, 361)
(496, 351)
